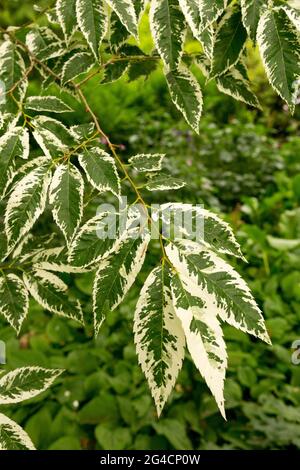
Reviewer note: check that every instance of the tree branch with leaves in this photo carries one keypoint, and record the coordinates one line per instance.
(45, 163)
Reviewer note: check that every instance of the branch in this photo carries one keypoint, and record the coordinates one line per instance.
(100, 132)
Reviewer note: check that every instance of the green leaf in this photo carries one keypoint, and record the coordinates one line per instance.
(147, 162)
(12, 436)
(66, 197)
(186, 94)
(101, 170)
(168, 30)
(66, 442)
(283, 244)
(220, 286)
(117, 273)
(79, 63)
(93, 21)
(141, 68)
(26, 202)
(247, 376)
(175, 432)
(13, 143)
(279, 47)
(50, 292)
(229, 42)
(159, 337)
(114, 439)
(14, 301)
(66, 15)
(101, 409)
(25, 383)
(251, 12)
(114, 71)
(235, 83)
(126, 13)
(50, 104)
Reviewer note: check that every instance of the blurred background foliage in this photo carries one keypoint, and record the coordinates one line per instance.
(245, 165)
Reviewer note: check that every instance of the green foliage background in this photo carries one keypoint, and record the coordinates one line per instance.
(245, 165)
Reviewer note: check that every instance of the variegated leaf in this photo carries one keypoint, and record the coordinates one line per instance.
(201, 31)
(186, 94)
(3, 246)
(8, 121)
(164, 182)
(207, 37)
(53, 259)
(117, 273)
(14, 302)
(24, 169)
(50, 104)
(79, 63)
(168, 30)
(52, 136)
(235, 83)
(147, 162)
(251, 12)
(12, 436)
(82, 132)
(26, 203)
(191, 11)
(139, 6)
(90, 245)
(221, 288)
(279, 46)
(12, 75)
(101, 170)
(158, 336)
(292, 13)
(44, 44)
(66, 197)
(204, 336)
(210, 11)
(118, 33)
(93, 21)
(229, 42)
(25, 383)
(126, 13)
(66, 15)
(50, 292)
(198, 224)
(15, 142)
